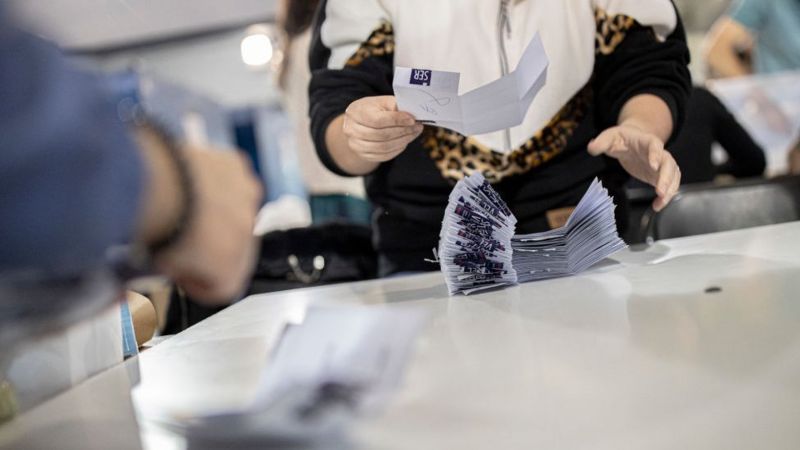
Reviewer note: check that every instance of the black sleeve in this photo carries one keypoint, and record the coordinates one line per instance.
(746, 157)
(643, 64)
(368, 73)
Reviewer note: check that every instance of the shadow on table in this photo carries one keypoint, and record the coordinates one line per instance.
(405, 289)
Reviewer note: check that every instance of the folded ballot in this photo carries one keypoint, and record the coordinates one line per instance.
(432, 96)
(478, 248)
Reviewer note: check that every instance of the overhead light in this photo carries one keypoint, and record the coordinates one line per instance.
(257, 48)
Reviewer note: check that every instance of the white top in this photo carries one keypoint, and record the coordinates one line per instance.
(318, 179)
(461, 36)
(634, 354)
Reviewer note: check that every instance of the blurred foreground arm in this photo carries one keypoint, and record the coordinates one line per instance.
(213, 255)
(74, 183)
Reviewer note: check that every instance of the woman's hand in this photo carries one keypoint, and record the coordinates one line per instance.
(642, 155)
(376, 130)
(370, 132)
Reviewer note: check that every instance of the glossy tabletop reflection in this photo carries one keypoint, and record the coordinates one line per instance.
(690, 343)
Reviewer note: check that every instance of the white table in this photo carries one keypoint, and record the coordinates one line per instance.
(632, 355)
(97, 414)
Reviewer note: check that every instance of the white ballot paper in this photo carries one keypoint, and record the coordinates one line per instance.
(432, 96)
(363, 346)
(340, 362)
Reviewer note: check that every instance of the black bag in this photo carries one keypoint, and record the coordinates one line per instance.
(291, 259)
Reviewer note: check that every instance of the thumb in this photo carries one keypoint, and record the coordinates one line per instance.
(386, 103)
(602, 143)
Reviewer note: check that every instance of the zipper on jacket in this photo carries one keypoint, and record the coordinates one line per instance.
(503, 29)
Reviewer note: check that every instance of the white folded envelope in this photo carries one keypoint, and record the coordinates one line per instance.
(431, 96)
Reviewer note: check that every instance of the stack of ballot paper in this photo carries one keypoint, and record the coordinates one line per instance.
(339, 363)
(479, 250)
(475, 242)
(589, 236)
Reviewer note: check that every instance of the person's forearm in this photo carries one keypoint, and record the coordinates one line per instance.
(344, 157)
(648, 113)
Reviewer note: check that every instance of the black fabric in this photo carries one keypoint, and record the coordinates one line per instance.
(643, 64)
(331, 91)
(346, 250)
(410, 193)
(703, 209)
(709, 122)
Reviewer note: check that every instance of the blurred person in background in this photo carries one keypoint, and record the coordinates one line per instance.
(758, 37)
(331, 197)
(755, 37)
(618, 84)
(82, 192)
(709, 122)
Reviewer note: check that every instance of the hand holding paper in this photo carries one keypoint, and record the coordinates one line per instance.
(376, 130)
(432, 96)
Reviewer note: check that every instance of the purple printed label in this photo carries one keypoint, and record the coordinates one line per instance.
(420, 77)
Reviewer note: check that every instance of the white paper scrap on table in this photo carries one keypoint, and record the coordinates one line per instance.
(340, 362)
(364, 346)
(432, 96)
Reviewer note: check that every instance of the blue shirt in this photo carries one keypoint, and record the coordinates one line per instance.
(70, 174)
(776, 26)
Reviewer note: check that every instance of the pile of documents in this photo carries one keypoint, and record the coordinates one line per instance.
(589, 236)
(475, 242)
(478, 248)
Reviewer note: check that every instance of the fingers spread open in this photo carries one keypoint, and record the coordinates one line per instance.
(655, 154)
(668, 182)
(611, 142)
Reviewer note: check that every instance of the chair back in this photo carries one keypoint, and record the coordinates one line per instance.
(702, 209)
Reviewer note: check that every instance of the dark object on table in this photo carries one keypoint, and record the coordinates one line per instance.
(702, 209)
(302, 257)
